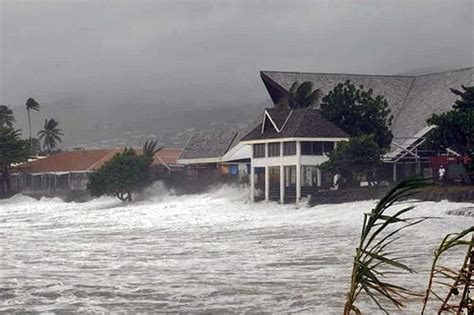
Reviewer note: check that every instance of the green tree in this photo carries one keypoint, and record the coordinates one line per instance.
(6, 117)
(31, 104)
(359, 112)
(351, 159)
(466, 101)
(50, 134)
(455, 129)
(302, 95)
(124, 174)
(13, 150)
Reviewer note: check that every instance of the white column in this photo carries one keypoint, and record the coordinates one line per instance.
(252, 181)
(318, 175)
(267, 175)
(298, 171)
(282, 175)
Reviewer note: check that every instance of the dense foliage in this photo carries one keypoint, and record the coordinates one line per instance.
(124, 174)
(6, 117)
(13, 150)
(359, 112)
(455, 129)
(302, 95)
(351, 159)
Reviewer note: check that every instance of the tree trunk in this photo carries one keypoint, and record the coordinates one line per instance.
(6, 183)
(31, 139)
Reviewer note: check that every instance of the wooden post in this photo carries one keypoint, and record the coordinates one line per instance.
(282, 176)
(252, 181)
(319, 177)
(298, 171)
(394, 172)
(267, 175)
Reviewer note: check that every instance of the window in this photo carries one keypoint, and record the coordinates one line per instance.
(317, 148)
(274, 149)
(328, 147)
(306, 148)
(258, 150)
(289, 148)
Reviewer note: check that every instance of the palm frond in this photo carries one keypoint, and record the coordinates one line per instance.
(449, 242)
(150, 148)
(373, 260)
(31, 104)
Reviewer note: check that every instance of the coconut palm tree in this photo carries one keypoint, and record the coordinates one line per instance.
(50, 134)
(150, 148)
(6, 116)
(302, 95)
(31, 104)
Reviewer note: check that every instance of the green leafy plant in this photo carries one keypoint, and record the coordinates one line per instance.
(441, 274)
(121, 176)
(374, 259)
(6, 117)
(13, 150)
(359, 112)
(353, 158)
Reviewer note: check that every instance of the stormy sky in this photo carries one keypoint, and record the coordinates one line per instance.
(195, 54)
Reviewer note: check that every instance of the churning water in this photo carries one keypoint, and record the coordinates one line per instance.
(213, 253)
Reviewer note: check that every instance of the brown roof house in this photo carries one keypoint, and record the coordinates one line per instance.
(70, 170)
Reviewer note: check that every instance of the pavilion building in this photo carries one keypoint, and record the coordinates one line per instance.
(288, 146)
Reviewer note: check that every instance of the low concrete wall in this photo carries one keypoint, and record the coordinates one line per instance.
(435, 193)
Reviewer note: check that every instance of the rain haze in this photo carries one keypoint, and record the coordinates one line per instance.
(248, 157)
(114, 73)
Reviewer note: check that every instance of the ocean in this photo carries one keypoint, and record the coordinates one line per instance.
(205, 253)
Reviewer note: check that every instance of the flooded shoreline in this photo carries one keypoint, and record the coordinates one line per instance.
(211, 252)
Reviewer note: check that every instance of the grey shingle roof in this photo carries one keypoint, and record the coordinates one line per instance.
(412, 99)
(209, 145)
(304, 122)
(278, 115)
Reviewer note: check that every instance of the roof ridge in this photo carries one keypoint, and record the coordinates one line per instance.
(340, 73)
(368, 74)
(101, 159)
(441, 72)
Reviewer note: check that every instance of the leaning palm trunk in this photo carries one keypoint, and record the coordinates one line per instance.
(29, 125)
(372, 258)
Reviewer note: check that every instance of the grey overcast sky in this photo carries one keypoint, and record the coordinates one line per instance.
(188, 54)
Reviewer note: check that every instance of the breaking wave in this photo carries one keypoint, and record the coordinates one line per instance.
(213, 252)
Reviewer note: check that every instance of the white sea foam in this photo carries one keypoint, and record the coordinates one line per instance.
(212, 252)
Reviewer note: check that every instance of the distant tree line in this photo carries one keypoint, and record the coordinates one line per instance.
(15, 150)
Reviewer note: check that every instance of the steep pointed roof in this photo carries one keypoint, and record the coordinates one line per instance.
(298, 123)
(412, 99)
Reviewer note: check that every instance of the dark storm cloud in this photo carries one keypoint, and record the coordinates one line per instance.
(208, 53)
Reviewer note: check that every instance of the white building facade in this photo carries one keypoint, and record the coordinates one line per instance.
(287, 150)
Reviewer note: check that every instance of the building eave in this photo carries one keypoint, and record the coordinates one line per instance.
(273, 140)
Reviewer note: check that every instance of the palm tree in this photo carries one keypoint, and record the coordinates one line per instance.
(50, 134)
(374, 258)
(31, 104)
(302, 95)
(6, 116)
(150, 148)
